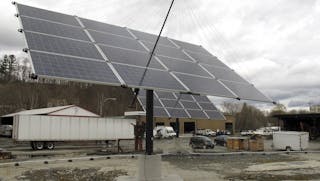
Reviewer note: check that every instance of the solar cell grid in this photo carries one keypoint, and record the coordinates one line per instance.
(73, 68)
(184, 66)
(191, 47)
(207, 106)
(171, 103)
(129, 57)
(211, 60)
(117, 41)
(151, 38)
(187, 97)
(159, 112)
(225, 74)
(177, 113)
(61, 45)
(153, 78)
(201, 98)
(246, 91)
(190, 105)
(205, 85)
(95, 25)
(167, 51)
(53, 28)
(197, 114)
(174, 107)
(47, 15)
(215, 115)
(155, 101)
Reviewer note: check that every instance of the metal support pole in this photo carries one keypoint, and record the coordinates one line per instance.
(149, 122)
(177, 127)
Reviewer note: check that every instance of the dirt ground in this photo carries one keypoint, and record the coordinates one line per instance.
(282, 166)
(190, 168)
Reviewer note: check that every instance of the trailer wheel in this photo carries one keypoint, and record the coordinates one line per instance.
(288, 148)
(49, 145)
(39, 145)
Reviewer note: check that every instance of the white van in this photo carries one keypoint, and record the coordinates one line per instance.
(163, 132)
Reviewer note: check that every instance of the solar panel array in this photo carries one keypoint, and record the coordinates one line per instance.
(169, 105)
(73, 48)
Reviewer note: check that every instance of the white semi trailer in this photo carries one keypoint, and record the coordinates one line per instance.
(44, 131)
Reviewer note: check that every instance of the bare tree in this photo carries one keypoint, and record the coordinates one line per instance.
(250, 118)
(231, 108)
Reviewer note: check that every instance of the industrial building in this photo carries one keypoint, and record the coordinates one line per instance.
(309, 122)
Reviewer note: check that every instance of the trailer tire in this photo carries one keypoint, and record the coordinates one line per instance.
(39, 145)
(288, 148)
(49, 145)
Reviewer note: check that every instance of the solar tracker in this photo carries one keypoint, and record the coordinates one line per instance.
(114, 55)
(182, 106)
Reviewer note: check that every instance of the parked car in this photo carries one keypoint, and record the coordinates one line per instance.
(201, 142)
(246, 132)
(221, 140)
(223, 132)
(205, 132)
(6, 130)
(163, 132)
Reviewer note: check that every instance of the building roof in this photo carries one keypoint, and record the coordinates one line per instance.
(302, 116)
(69, 110)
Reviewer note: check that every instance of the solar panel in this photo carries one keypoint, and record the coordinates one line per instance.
(201, 98)
(204, 85)
(191, 47)
(187, 97)
(95, 25)
(60, 45)
(72, 68)
(179, 108)
(190, 105)
(117, 41)
(153, 78)
(129, 57)
(156, 101)
(167, 51)
(57, 34)
(151, 38)
(215, 115)
(225, 74)
(197, 114)
(207, 106)
(165, 95)
(47, 27)
(184, 66)
(207, 59)
(171, 103)
(177, 113)
(47, 15)
(159, 112)
(246, 91)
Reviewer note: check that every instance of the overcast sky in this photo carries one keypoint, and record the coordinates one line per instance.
(273, 44)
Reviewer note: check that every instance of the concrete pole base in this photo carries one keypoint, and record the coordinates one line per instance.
(150, 170)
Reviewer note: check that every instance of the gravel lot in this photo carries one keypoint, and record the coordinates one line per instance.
(293, 166)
